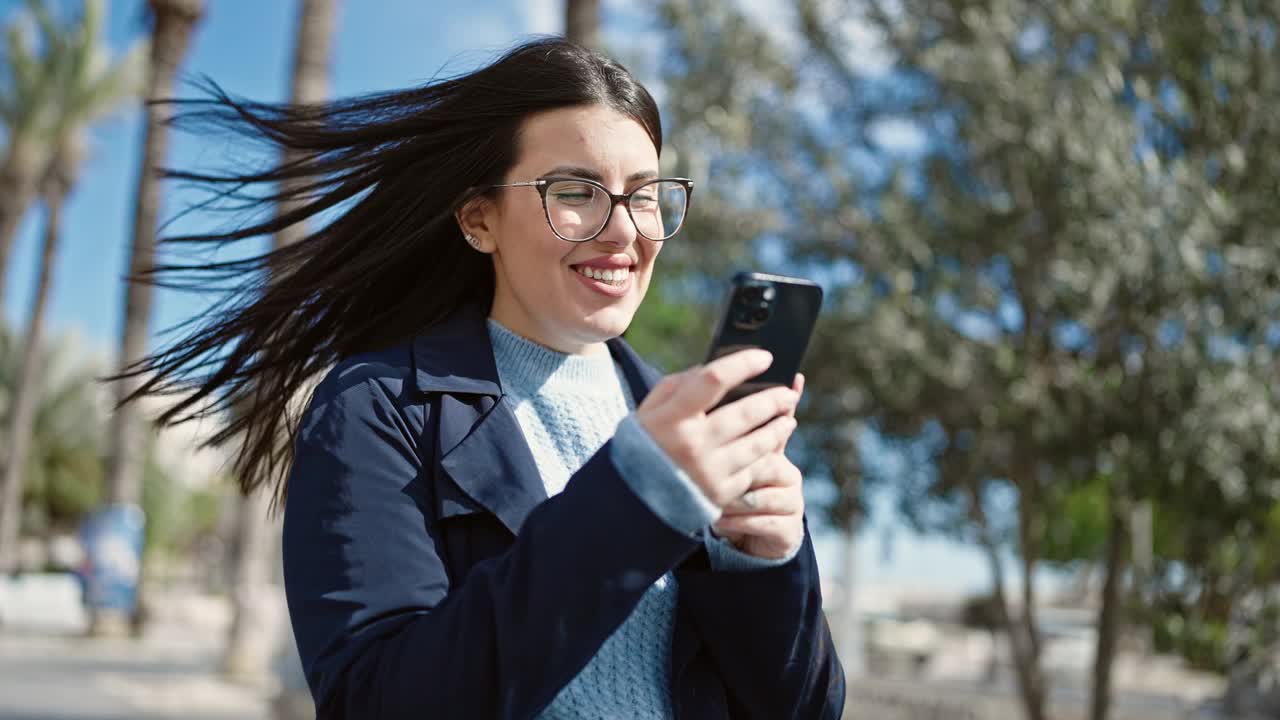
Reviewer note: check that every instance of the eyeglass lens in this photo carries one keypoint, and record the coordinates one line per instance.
(578, 210)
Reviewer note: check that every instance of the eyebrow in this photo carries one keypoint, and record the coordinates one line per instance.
(588, 173)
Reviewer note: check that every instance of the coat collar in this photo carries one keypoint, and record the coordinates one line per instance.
(455, 356)
(480, 444)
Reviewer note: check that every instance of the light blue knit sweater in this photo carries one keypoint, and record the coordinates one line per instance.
(568, 406)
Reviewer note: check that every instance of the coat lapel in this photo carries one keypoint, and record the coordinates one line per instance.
(640, 375)
(492, 463)
(480, 445)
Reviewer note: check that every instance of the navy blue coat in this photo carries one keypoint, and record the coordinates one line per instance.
(429, 576)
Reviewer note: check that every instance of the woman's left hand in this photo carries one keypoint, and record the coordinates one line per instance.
(767, 521)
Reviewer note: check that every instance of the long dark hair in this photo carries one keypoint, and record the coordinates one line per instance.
(395, 166)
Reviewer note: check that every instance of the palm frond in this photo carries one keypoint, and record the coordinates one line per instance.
(25, 87)
(59, 75)
(114, 84)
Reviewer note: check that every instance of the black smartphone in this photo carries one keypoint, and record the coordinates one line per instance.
(774, 312)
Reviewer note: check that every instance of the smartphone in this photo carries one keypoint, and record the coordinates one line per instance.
(774, 312)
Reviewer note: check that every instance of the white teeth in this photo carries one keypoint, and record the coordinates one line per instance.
(612, 276)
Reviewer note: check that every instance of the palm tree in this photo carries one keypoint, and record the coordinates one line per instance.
(83, 85)
(25, 105)
(254, 532)
(582, 22)
(62, 475)
(173, 22)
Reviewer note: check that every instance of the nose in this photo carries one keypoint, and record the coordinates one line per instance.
(621, 231)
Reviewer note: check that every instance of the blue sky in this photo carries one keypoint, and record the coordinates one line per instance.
(244, 45)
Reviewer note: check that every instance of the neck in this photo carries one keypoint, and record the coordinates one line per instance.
(516, 318)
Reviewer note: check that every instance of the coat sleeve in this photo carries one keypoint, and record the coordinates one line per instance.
(767, 633)
(381, 632)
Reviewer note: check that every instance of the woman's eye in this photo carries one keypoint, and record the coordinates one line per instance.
(574, 196)
(644, 200)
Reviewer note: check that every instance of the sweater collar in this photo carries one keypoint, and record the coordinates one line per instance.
(525, 366)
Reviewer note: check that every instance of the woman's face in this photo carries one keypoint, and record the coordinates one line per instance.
(540, 291)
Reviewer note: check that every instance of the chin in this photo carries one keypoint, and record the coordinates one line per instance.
(610, 322)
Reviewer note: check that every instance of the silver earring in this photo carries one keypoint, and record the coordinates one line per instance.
(472, 241)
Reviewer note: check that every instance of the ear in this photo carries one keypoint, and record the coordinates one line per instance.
(477, 218)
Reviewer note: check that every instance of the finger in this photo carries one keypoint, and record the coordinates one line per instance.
(775, 469)
(780, 528)
(708, 383)
(746, 414)
(740, 454)
(798, 387)
(665, 388)
(772, 470)
(770, 500)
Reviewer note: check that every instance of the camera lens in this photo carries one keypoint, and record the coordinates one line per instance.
(751, 294)
(760, 315)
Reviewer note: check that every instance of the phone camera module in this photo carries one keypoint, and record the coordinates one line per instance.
(752, 306)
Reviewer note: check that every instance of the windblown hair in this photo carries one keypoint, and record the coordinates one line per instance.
(393, 167)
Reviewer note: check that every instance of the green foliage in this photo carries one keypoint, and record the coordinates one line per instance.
(57, 76)
(1063, 294)
(1203, 643)
(666, 333)
(161, 498)
(176, 515)
(65, 469)
(59, 73)
(1080, 533)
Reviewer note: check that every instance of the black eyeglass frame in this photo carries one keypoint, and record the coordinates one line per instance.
(543, 183)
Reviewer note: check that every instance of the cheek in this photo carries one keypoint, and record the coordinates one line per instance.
(650, 251)
(522, 212)
(525, 238)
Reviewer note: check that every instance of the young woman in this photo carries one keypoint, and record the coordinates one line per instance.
(495, 509)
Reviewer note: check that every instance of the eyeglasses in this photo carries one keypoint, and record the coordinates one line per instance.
(578, 210)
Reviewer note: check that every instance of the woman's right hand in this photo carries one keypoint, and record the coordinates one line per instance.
(719, 449)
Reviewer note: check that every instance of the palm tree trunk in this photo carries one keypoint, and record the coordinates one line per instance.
(19, 176)
(171, 35)
(256, 547)
(174, 22)
(582, 22)
(26, 392)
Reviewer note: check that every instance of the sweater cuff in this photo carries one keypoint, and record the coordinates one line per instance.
(724, 557)
(666, 489)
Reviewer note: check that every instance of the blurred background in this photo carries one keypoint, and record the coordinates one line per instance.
(1041, 433)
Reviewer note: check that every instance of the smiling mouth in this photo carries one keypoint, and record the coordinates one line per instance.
(613, 276)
